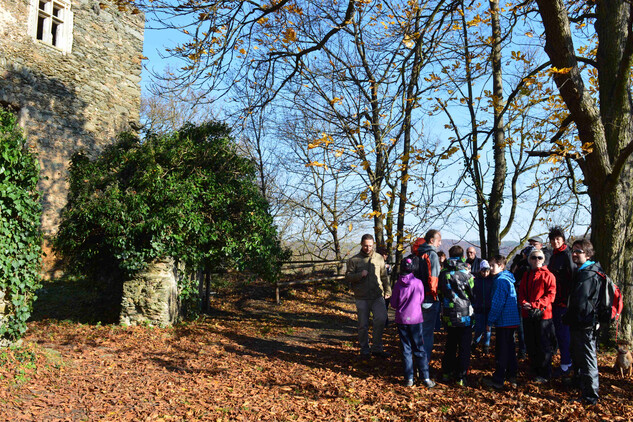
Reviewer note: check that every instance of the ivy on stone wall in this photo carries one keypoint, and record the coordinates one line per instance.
(187, 195)
(20, 235)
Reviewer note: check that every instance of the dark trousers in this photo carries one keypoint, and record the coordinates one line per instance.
(540, 342)
(584, 357)
(520, 337)
(562, 334)
(505, 355)
(456, 360)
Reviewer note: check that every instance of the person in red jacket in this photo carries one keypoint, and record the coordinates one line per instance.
(536, 295)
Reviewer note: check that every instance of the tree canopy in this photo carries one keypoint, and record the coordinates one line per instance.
(187, 195)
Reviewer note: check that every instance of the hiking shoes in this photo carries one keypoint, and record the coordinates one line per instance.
(513, 382)
(540, 380)
(490, 382)
(428, 383)
(408, 383)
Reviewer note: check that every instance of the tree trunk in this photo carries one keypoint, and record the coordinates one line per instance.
(605, 128)
(493, 220)
(612, 238)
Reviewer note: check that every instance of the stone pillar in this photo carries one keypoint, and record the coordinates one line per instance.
(152, 296)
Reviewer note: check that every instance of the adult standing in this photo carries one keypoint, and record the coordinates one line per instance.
(583, 320)
(537, 243)
(456, 289)
(562, 266)
(368, 277)
(520, 266)
(473, 260)
(536, 295)
(428, 270)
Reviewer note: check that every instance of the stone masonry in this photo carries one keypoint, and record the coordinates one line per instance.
(77, 97)
(151, 297)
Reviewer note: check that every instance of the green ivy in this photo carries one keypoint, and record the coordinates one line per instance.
(20, 235)
(187, 195)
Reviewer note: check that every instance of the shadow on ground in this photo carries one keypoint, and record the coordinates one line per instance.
(76, 300)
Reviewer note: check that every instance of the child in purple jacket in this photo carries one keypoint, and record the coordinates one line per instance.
(406, 299)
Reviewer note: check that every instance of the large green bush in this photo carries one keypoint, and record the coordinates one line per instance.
(187, 195)
(20, 235)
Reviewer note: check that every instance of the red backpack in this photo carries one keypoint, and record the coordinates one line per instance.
(610, 301)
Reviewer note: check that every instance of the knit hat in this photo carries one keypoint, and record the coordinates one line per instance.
(484, 265)
(527, 250)
(406, 266)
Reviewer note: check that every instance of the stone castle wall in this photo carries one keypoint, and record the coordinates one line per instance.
(75, 100)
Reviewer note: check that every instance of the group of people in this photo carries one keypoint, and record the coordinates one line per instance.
(545, 300)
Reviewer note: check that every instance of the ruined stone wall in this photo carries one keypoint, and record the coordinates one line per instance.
(70, 100)
(151, 297)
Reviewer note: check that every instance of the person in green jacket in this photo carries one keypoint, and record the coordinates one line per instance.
(368, 278)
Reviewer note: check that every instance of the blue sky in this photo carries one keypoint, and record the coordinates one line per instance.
(156, 41)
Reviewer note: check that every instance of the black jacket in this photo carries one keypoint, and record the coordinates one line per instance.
(583, 298)
(561, 265)
(456, 289)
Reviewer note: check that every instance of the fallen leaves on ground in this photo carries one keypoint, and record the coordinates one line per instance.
(253, 360)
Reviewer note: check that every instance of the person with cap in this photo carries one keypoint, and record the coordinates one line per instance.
(406, 299)
(481, 305)
(537, 243)
(536, 295)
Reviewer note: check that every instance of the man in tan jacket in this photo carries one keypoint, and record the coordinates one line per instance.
(368, 277)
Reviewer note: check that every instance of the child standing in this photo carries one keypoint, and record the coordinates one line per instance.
(406, 299)
(504, 315)
(456, 289)
(483, 299)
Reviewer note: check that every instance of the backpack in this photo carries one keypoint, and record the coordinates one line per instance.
(422, 271)
(610, 302)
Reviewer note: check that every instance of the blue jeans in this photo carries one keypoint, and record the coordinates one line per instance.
(429, 315)
(481, 335)
(378, 309)
(562, 334)
(413, 348)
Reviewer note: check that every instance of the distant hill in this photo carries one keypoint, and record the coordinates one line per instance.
(505, 249)
(350, 248)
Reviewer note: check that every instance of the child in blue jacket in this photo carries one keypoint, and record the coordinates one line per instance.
(504, 315)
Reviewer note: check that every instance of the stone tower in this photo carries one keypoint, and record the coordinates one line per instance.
(71, 69)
